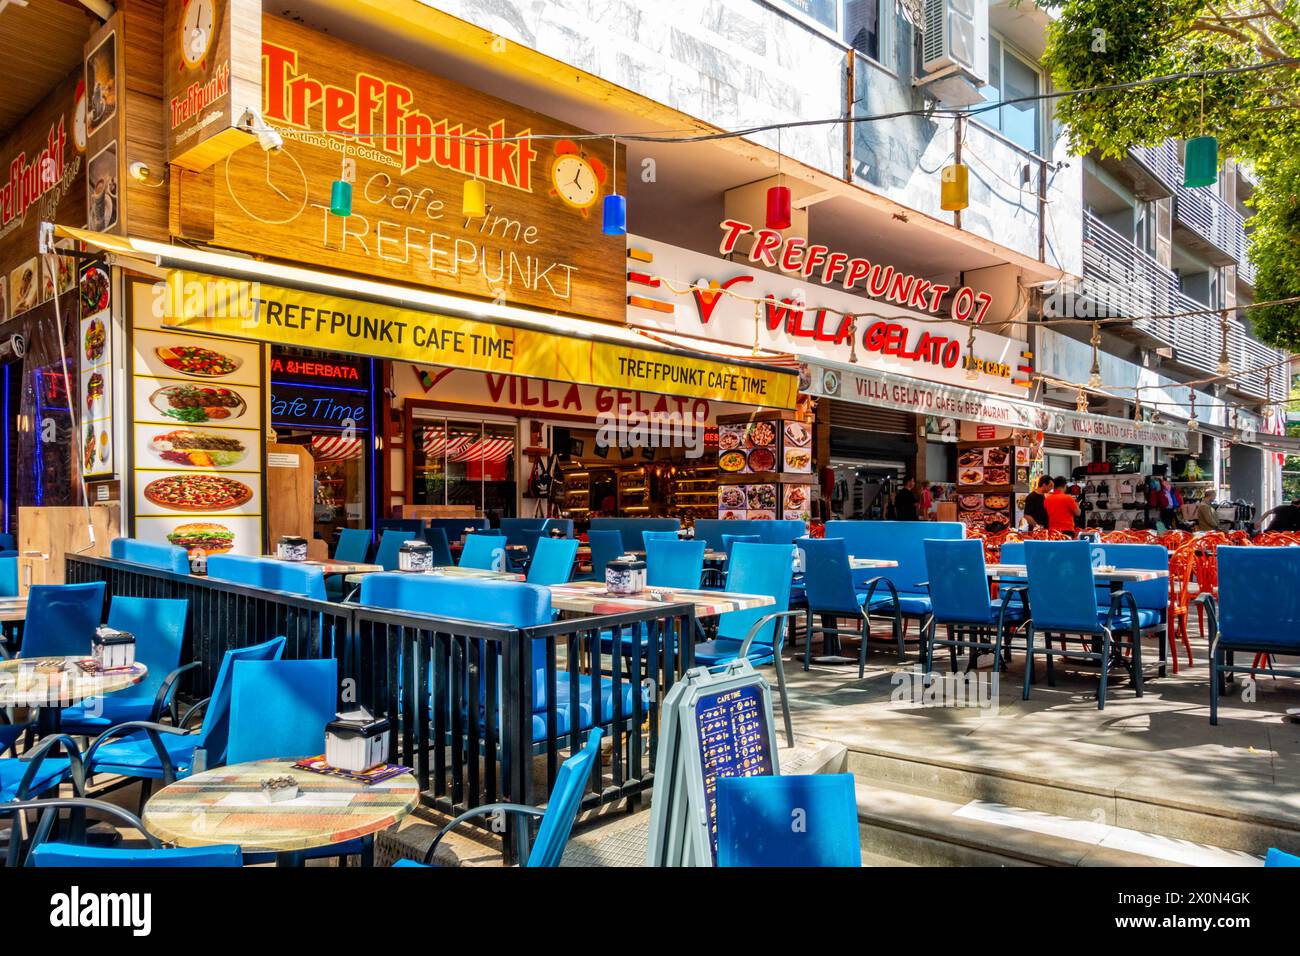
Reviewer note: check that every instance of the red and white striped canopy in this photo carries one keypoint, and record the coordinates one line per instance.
(336, 447)
(487, 451)
(436, 444)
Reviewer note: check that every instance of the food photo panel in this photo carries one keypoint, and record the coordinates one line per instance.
(167, 401)
(202, 535)
(195, 447)
(197, 492)
(208, 360)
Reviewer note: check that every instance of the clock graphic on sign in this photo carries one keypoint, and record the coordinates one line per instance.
(576, 177)
(198, 29)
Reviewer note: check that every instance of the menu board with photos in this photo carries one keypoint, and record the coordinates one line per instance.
(95, 358)
(734, 741)
(196, 436)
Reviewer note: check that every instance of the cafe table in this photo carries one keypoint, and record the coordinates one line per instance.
(13, 609)
(453, 571)
(593, 597)
(331, 566)
(226, 805)
(48, 684)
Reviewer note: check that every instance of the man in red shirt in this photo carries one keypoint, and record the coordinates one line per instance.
(1061, 507)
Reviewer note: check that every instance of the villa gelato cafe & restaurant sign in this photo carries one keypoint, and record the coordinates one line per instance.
(409, 141)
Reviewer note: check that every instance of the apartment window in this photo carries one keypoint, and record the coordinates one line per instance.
(1144, 237)
(1012, 76)
(824, 13)
(862, 24)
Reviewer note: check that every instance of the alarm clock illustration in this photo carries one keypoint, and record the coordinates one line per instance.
(576, 177)
(197, 29)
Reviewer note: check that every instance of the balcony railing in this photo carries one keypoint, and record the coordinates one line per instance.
(1161, 162)
(1207, 215)
(1125, 281)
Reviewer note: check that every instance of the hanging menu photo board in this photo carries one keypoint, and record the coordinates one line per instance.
(197, 437)
(409, 141)
(95, 357)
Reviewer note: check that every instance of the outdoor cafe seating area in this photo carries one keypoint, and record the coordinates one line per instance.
(524, 668)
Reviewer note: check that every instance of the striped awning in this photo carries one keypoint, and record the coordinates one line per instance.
(487, 451)
(436, 443)
(336, 448)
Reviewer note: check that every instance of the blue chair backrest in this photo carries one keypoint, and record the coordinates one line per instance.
(1062, 593)
(454, 528)
(730, 540)
(564, 524)
(486, 552)
(605, 547)
(214, 735)
(437, 539)
(280, 708)
(674, 564)
(509, 603)
(553, 561)
(61, 619)
(9, 576)
(648, 536)
(353, 545)
(413, 525)
(304, 580)
(66, 854)
(8, 542)
(562, 806)
(758, 569)
(631, 528)
(390, 542)
(768, 531)
(168, 557)
(901, 541)
(159, 628)
(1258, 594)
(959, 589)
(1150, 595)
(514, 528)
(755, 817)
(1013, 552)
(827, 577)
(1277, 857)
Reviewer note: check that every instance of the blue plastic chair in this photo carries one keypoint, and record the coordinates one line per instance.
(153, 751)
(166, 557)
(61, 619)
(35, 773)
(390, 542)
(280, 708)
(717, 576)
(832, 593)
(557, 819)
(1146, 602)
(304, 580)
(959, 594)
(648, 536)
(47, 854)
(486, 552)
(1277, 857)
(159, 628)
(437, 540)
(756, 634)
(8, 542)
(674, 563)
(1063, 601)
(605, 547)
(553, 561)
(8, 576)
(353, 545)
(756, 814)
(1257, 612)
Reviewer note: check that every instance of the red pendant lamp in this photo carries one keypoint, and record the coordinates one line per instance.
(779, 203)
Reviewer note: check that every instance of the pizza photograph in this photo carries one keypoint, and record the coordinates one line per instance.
(197, 493)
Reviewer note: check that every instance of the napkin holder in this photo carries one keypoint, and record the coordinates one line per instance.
(356, 741)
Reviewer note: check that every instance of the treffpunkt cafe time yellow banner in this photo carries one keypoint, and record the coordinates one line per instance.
(267, 313)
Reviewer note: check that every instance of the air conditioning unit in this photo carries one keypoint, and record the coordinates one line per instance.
(956, 38)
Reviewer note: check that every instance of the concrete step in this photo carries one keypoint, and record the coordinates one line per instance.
(1169, 818)
(912, 828)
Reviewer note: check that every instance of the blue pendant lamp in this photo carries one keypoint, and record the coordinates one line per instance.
(341, 198)
(614, 217)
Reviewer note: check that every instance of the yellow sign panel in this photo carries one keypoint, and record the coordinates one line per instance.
(317, 320)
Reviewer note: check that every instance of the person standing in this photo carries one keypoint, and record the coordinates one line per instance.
(927, 501)
(1207, 519)
(905, 501)
(1035, 510)
(1061, 507)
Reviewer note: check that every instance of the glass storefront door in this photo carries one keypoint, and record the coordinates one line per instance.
(466, 462)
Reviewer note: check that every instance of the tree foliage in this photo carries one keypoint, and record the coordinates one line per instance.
(1255, 115)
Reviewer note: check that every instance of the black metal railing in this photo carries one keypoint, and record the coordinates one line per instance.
(482, 713)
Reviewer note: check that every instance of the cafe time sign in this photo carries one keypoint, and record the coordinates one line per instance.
(409, 141)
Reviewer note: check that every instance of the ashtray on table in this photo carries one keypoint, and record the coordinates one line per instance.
(278, 789)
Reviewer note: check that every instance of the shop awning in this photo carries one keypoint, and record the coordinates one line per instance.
(336, 448)
(270, 302)
(850, 383)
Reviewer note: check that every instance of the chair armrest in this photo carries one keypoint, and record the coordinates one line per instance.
(1117, 601)
(763, 622)
(36, 756)
(718, 573)
(482, 811)
(52, 806)
(153, 732)
(1021, 591)
(871, 591)
(195, 708)
(167, 689)
(1212, 617)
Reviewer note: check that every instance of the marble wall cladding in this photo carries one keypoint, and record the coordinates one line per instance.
(726, 62)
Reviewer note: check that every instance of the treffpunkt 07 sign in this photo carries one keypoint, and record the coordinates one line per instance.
(271, 314)
(409, 141)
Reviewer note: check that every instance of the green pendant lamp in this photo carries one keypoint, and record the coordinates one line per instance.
(1201, 164)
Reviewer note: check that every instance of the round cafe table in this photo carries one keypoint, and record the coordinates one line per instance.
(57, 682)
(226, 805)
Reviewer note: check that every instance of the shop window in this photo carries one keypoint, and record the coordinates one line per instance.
(1011, 76)
(465, 462)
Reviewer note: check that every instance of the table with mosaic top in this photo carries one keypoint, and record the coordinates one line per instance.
(226, 805)
(13, 609)
(452, 571)
(59, 682)
(593, 597)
